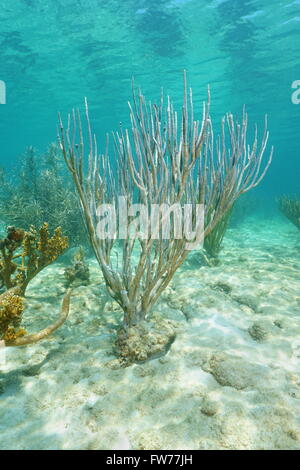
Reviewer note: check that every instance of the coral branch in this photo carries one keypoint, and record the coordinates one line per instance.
(290, 207)
(11, 310)
(163, 161)
(34, 338)
(38, 250)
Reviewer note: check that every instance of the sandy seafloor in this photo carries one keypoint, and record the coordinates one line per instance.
(218, 387)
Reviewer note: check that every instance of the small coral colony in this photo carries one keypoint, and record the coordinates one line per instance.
(165, 158)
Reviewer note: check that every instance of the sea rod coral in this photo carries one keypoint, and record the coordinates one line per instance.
(37, 190)
(164, 160)
(290, 207)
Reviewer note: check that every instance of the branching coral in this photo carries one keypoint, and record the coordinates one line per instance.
(213, 241)
(39, 189)
(164, 160)
(11, 309)
(24, 254)
(242, 208)
(8, 247)
(290, 207)
(32, 194)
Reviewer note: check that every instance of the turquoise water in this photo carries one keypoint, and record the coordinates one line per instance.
(217, 364)
(56, 52)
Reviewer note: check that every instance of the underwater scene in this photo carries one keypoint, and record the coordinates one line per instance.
(150, 225)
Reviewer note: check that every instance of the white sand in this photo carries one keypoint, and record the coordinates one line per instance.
(217, 388)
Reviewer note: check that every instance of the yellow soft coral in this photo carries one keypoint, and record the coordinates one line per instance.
(35, 249)
(52, 247)
(11, 309)
(12, 334)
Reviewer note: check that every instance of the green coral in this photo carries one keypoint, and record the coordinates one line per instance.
(213, 241)
(290, 207)
(38, 189)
